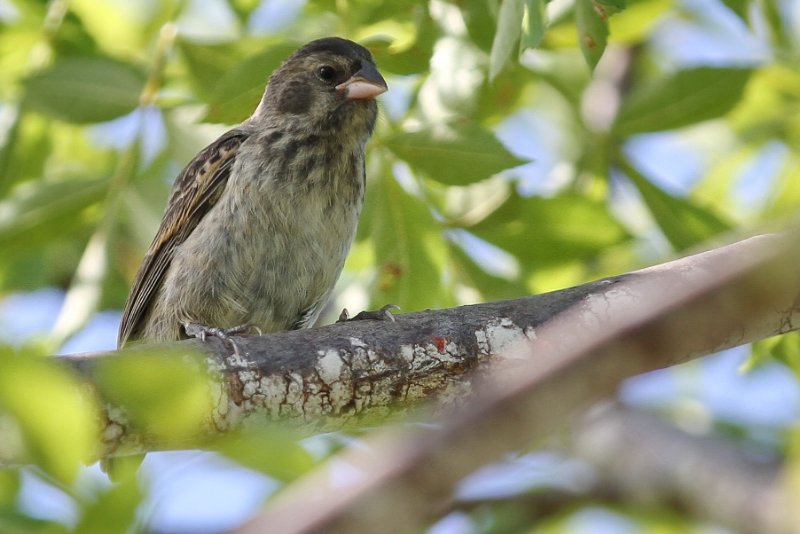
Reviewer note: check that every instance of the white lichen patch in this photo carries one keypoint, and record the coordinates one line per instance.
(407, 354)
(360, 359)
(329, 367)
(117, 422)
(293, 402)
(250, 383)
(339, 395)
(273, 388)
(501, 337)
(314, 405)
(356, 342)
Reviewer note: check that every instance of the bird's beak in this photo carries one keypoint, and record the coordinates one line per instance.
(365, 84)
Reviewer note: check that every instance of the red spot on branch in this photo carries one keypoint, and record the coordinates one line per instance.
(440, 343)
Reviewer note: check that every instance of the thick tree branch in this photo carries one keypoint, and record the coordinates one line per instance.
(648, 319)
(352, 373)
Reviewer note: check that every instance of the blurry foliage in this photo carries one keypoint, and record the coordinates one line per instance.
(101, 105)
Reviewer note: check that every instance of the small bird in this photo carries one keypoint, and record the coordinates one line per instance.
(258, 225)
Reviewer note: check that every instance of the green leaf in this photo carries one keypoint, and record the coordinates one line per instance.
(238, 92)
(551, 231)
(683, 223)
(10, 484)
(786, 192)
(164, 392)
(273, 451)
(606, 8)
(85, 89)
(784, 348)
(592, 30)
(509, 27)
(489, 286)
(14, 522)
(56, 418)
(464, 154)
(686, 97)
(10, 138)
(113, 511)
(207, 64)
(402, 48)
(479, 19)
(536, 23)
(36, 212)
(409, 249)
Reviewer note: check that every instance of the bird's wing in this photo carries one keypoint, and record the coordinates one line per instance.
(195, 192)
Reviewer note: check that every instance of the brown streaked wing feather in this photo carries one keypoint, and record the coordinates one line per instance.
(195, 192)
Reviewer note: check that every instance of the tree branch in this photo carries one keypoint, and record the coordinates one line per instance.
(638, 322)
(354, 373)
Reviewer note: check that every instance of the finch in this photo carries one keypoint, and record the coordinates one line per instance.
(259, 223)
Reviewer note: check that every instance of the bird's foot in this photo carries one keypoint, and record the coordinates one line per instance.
(201, 332)
(383, 314)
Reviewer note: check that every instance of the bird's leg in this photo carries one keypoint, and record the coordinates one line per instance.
(383, 314)
(201, 332)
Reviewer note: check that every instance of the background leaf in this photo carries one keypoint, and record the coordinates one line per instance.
(686, 97)
(236, 95)
(592, 31)
(464, 154)
(537, 23)
(85, 89)
(684, 223)
(509, 26)
(409, 248)
(58, 422)
(547, 231)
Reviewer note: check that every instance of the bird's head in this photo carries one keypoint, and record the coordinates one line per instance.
(327, 85)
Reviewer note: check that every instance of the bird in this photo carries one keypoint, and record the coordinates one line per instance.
(258, 225)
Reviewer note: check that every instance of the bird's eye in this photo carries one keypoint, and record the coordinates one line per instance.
(326, 73)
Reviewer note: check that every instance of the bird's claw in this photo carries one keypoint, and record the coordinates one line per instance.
(202, 332)
(383, 314)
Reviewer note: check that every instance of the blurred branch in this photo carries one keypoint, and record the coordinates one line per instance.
(639, 458)
(623, 326)
(649, 461)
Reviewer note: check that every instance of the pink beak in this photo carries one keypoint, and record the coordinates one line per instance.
(365, 84)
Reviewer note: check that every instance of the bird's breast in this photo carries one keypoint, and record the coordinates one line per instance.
(280, 235)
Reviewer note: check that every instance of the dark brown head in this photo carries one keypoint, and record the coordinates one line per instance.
(328, 84)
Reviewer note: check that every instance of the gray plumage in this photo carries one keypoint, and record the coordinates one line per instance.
(258, 225)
